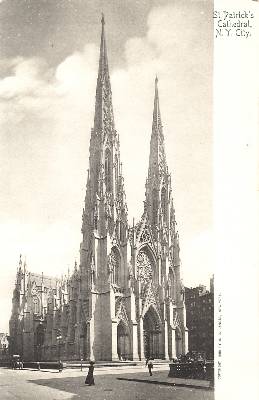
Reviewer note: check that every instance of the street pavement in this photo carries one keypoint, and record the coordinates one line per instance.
(125, 383)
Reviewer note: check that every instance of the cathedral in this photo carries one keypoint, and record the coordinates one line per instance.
(125, 299)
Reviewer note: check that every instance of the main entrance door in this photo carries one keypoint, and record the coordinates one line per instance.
(152, 334)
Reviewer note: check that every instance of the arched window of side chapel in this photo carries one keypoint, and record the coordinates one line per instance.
(108, 170)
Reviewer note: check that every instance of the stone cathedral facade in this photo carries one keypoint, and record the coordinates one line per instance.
(125, 299)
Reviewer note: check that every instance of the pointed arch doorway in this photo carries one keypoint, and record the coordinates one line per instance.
(152, 334)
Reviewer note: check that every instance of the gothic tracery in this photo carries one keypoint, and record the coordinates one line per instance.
(144, 267)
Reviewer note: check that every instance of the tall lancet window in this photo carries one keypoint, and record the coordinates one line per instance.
(115, 264)
(108, 170)
(122, 232)
(36, 305)
(154, 206)
(163, 202)
(116, 170)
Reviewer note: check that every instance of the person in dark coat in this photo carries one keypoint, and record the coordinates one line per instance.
(60, 366)
(90, 376)
(150, 366)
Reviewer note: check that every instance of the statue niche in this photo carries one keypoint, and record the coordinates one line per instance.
(114, 266)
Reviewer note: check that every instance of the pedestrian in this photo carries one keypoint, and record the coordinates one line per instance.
(89, 380)
(60, 366)
(150, 366)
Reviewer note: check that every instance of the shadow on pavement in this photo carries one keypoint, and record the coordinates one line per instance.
(75, 386)
(123, 387)
(40, 370)
(167, 383)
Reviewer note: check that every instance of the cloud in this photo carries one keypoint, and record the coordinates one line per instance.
(25, 79)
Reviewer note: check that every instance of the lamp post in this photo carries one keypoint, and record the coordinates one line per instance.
(59, 337)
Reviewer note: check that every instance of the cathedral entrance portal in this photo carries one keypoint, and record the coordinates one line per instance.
(152, 334)
(123, 342)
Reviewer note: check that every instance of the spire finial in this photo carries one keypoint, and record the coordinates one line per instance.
(156, 112)
(103, 83)
(102, 20)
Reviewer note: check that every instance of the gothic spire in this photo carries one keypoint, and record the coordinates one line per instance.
(157, 125)
(105, 189)
(20, 263)
(157, 185)
(103, 104)
(157, 159)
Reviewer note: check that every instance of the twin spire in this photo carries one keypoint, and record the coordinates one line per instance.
(104, 120)
(103, 104)
(157, 158)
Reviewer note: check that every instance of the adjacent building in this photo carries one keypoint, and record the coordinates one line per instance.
(125, 299)
(200, 318)
(3, 345)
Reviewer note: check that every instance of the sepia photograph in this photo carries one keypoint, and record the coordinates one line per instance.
(106, 199)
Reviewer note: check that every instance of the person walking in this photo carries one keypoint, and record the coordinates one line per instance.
(60, 366)
(89, 380)
(150, 366)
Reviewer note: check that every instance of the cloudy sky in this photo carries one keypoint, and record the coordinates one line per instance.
(48, 70)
